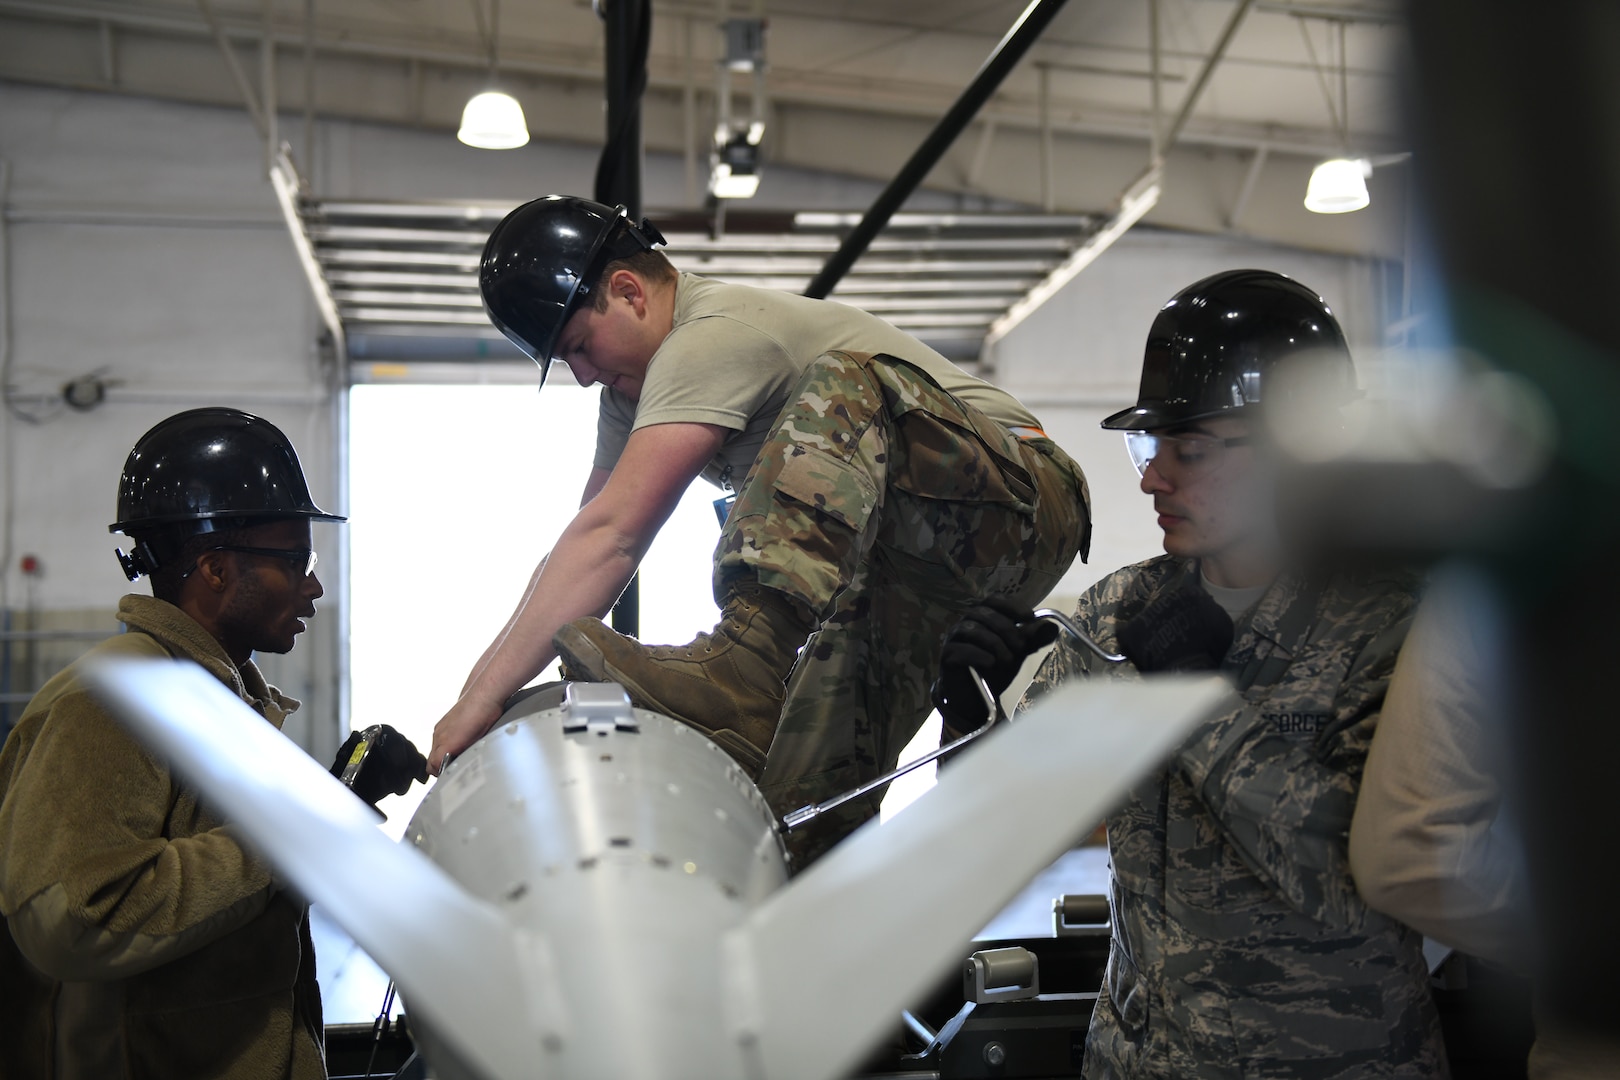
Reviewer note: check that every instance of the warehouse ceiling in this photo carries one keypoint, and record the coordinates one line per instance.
(852, 88)
(396, 269)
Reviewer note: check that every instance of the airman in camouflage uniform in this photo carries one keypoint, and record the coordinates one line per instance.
(887, 490)
(886, 506)
(1240, 946)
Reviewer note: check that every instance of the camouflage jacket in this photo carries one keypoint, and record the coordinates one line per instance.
(1240, 946)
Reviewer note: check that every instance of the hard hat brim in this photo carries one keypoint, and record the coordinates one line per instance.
(1160, 415)
(166, 520)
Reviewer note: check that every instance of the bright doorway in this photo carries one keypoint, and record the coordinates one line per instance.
(455, 492)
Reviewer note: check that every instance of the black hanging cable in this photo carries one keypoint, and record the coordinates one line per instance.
(379, 1026)
(618, 170)
(623, 148)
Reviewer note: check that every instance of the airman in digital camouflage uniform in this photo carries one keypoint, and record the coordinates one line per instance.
(1240, 945)
(880, 491)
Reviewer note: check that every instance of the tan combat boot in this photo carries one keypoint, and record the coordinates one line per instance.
(727, 684)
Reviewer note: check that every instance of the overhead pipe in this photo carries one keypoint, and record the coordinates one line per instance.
(618, 171)
(1011, 49)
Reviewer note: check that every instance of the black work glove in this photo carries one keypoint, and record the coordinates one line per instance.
(1185, 630)
(994, 639)
(379, 761)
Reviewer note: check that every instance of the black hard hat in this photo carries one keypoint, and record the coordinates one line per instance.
(200, 469)
(542, 262)
(1213, 347)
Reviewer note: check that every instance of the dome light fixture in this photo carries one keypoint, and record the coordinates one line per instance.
(493, 120)
(1338, 186)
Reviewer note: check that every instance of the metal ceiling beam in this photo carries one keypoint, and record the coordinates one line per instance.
(289, 188)
(858, 285)
(467, 51)
(688, 244)
(415, 315)
(736, 243)
(377, 278)
(1391, 16)
(250, 100)
(728, 265)
(470, 212)
(879, 266)
(989, 305)
(1011, 49)
(786, 85)
(872, 15)
(1250, 179)
(1138, 198)
(1216, 55)
(1134, 204)
(378, 257)
(929, 219)
(462, 322)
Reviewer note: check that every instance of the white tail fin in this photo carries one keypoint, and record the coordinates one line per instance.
(820, 970)
(430, 935)
(810, 981)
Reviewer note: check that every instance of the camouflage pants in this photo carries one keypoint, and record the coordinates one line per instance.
(886, 506)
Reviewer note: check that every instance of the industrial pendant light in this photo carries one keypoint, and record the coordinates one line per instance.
(1338, 186)
(493, 119)
(734, 157)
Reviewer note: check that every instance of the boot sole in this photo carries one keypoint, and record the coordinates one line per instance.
(580, 655)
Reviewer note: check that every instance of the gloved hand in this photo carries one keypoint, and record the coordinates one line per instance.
(994, 639)
(1185, 630)
(379, 761)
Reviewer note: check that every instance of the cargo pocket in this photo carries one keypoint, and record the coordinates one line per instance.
(943, 448)
(935, 457)
(830, 486)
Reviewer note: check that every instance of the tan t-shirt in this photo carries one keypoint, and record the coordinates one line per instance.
(735, 354)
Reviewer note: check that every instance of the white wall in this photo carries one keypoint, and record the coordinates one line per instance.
(143, 242)
(1078, 358)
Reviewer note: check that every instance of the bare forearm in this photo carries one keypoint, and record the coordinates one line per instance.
(582, 576)
(484, 657)
(620, 514)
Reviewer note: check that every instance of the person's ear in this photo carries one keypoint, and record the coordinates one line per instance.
(626, 285)
(211, 570)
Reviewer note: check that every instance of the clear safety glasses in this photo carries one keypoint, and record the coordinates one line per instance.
(299, 556)
(1179, 455)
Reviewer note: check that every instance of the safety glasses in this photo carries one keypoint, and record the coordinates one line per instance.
(1179, 455)
(298, 556)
